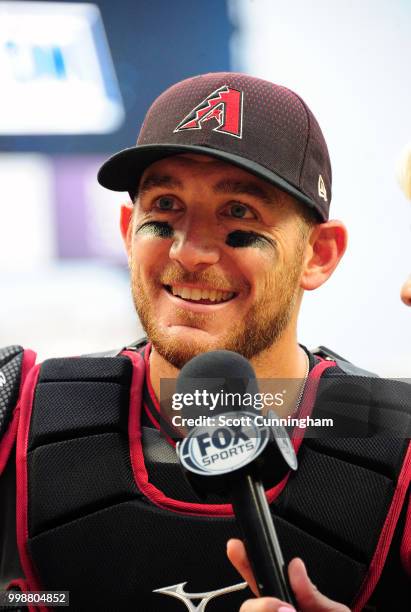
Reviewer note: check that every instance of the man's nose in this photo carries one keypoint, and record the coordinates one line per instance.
(194, 246)
(406, 292)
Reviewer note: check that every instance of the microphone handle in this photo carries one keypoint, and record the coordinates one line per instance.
(260, 538)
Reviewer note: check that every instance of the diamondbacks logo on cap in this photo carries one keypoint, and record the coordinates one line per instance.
(322, 191)
(225, 106)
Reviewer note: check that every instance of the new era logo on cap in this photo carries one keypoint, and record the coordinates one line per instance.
(224, 105)
(322, 191)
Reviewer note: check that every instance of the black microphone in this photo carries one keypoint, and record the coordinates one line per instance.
(232, 454)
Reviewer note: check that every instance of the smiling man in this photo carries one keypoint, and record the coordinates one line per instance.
(217, 261)
(228, 225)
(230, 182)
(227, 274)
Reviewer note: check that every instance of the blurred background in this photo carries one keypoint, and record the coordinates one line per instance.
(75, 82)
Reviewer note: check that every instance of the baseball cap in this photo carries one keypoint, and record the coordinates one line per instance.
(254, 124)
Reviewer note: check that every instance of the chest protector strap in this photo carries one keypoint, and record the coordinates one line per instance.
(15, 363)
(105, 513)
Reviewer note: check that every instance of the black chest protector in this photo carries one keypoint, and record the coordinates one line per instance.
(106, 514)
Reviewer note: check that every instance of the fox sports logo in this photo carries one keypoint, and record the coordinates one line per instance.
(224, 448)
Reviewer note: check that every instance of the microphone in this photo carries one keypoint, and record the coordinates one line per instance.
(232, 454)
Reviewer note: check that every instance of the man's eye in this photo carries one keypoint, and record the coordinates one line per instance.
(239, 211)
(166, 203)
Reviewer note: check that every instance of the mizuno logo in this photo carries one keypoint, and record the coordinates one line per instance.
(2, 379)
(224, 106)
(177, 591)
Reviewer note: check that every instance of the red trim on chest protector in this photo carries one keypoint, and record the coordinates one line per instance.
(7, 441)
(387, 533)
(155, 421)
(26, 407)
(405, 549)
(156, 496)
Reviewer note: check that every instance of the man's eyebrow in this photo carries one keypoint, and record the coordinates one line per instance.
(227, 186)
(158, 180)
(245, 187)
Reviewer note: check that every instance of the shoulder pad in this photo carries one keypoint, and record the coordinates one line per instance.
(134, 346)
(111, 353)
(353, 370)
(11, 359)
(346, 366)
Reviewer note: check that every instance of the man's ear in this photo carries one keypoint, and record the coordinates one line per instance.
(326, 246)
(126, 224)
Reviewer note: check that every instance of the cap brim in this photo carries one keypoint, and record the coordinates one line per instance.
(122, 171)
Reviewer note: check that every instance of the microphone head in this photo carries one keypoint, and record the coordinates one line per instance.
(218, 363)
(222, 375)
(226, 441)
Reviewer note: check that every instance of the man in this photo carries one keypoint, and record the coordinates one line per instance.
(230, 184)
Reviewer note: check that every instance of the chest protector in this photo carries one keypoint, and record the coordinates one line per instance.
(105, 513)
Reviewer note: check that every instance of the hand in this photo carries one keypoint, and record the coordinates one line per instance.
(308, 597)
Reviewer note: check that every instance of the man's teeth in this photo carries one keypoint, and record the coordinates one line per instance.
(202, 294)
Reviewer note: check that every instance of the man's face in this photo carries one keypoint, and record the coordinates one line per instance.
(216, 258)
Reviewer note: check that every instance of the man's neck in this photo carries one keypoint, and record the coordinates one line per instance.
(284, 360)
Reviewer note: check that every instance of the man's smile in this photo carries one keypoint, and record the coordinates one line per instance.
(197, 298)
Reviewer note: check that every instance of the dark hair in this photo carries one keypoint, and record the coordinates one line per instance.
(308, 219)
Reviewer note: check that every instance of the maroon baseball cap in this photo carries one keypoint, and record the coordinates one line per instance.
(256, 125)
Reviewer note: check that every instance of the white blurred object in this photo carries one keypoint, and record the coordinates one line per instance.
(27, 236)
(56, 70)
(104, 236)
(68, 308)
(404, 171)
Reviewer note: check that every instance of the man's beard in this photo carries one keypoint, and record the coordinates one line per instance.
(260, 329)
